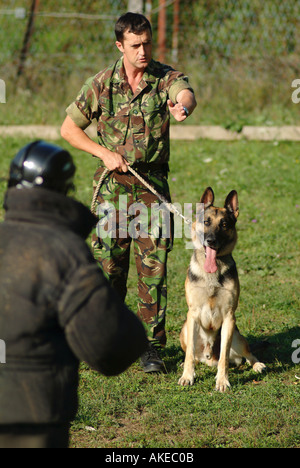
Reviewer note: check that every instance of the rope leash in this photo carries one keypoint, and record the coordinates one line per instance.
(172, 208)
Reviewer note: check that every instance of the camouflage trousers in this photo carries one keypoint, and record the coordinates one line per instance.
(129, 213)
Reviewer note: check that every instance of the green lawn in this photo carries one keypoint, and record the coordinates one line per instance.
(138, 410)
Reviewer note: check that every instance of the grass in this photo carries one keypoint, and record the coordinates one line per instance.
(137, 410)
(234, 102)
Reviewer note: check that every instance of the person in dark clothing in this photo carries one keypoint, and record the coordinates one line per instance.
(56, 307)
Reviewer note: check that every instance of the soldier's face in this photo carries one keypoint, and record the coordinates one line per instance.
(137, 49)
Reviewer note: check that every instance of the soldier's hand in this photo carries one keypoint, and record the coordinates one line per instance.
(114, 161)
(177, 110)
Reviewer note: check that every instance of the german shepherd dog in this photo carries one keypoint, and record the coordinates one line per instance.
(209, 334)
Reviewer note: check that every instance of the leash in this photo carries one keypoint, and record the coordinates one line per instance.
(172, 208)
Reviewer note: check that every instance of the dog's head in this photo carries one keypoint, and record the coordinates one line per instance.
(217, 228)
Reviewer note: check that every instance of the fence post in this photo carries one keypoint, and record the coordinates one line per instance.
(136, 6)
(162, 30)
(176, 23)
(148, 8)
(27, 37)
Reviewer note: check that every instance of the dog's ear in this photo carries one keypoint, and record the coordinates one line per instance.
(208, 198)
(232, 203)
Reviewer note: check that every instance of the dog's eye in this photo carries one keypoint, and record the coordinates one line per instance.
(224, 225)
(207, 222)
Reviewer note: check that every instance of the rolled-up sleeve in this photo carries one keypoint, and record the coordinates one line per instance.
(178, 85)
(86, 106)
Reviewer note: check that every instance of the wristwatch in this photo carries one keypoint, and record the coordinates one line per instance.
(186, 111)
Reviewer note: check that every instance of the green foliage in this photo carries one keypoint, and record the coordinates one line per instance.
(241, 57)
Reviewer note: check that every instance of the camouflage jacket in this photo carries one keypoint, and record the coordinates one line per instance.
(133, 125)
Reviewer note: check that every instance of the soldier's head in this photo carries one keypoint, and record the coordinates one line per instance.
(132, 23)
(43, 165)
(134, 39)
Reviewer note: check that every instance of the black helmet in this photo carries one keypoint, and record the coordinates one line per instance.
(42, 164)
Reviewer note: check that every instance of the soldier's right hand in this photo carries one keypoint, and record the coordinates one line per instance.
(115, 162)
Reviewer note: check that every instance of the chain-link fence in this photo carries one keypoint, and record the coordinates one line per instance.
(65, 36)
(229, 44)
(234, 29)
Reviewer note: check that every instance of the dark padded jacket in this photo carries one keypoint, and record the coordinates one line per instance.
(56, 309)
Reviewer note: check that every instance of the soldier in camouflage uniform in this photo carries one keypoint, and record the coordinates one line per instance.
(132, 101)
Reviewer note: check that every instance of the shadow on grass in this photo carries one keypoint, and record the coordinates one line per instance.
(279, 346)
(275, 348)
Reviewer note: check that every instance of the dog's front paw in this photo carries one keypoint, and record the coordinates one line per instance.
(185, 381)
(222, 385)
(259, 367)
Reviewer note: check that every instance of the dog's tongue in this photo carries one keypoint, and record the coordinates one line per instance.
(210, 265)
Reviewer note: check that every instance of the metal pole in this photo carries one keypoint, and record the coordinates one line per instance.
(149, 9)
(27, 37)
(136, 6)
(162, 26)
(175, 40)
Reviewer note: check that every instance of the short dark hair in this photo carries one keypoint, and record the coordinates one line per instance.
(132, 22)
